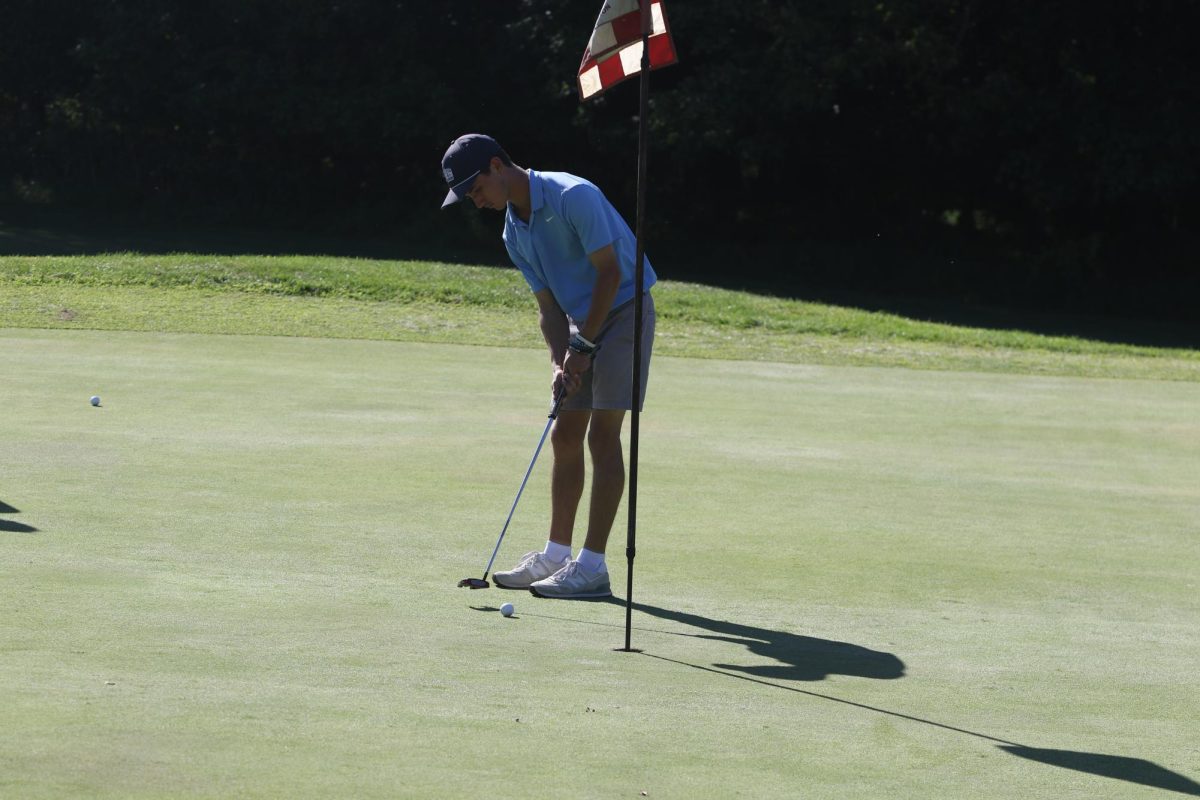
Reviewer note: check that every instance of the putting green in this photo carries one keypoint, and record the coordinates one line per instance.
(236, 577)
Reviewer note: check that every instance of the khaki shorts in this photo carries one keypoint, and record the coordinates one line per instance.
(609, 383)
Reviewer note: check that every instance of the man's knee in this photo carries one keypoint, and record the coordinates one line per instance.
(567, 433)
(604, 442)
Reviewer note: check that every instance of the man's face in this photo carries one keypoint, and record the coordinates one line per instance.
(488, 191)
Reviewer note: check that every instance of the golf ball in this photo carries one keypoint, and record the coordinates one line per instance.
(507, 609)
(95, 400)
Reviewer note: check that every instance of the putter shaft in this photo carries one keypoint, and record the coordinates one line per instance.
(553, 415)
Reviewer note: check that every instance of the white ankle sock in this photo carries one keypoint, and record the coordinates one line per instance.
(557, 552)
(591, 561)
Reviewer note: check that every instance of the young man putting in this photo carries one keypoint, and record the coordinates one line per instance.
(577, 255)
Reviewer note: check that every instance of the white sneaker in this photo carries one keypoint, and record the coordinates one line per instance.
(533, 567)
(574, 581)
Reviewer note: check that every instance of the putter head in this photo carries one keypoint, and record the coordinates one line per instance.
(473, 583)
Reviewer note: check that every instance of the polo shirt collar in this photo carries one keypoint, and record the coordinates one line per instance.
(537, 197)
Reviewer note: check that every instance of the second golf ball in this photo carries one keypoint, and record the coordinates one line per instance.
(507, 609)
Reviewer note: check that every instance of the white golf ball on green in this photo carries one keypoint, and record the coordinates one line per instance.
(95, 400)
(507, 609)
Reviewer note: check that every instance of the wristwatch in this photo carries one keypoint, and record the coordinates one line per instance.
(580, 345)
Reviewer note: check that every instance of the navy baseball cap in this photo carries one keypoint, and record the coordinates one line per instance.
(467, 156)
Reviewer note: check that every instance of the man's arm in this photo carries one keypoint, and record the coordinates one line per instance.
(556, 330)
(552, 320)
(608, 282)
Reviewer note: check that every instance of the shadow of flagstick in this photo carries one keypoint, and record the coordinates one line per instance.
(1122, 768)
(9, 525)
(786, 647)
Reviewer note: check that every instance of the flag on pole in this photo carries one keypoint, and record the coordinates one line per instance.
(614, 52)
(630, 38)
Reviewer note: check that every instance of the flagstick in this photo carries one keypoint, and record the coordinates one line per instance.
(639, 283)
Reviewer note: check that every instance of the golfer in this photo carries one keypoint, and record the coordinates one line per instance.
(577, 255)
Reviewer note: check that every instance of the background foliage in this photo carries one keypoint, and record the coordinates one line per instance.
(1045, 152)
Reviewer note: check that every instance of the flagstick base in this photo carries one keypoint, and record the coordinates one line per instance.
(627, 650)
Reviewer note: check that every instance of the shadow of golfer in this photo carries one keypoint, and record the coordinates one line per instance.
(803, 658)
(798, 658)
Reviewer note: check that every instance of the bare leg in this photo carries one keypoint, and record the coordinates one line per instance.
(608, 476)
(567, 474)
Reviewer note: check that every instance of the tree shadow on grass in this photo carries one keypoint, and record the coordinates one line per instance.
(67, 233)
(910, 284)
(46, 232)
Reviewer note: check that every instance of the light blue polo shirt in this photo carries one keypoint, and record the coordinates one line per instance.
(570, 218)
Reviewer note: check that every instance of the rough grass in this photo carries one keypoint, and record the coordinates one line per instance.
(431, 301)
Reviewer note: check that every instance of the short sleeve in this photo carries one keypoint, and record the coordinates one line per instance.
(585, 209)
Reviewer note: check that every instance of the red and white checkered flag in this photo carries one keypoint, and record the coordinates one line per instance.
(615, 50)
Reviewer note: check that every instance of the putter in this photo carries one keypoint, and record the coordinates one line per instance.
(482, 583)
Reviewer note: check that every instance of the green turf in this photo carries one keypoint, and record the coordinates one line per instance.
(429, 301)
(235, 578)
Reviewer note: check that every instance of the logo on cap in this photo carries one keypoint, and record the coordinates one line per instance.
(467, 156)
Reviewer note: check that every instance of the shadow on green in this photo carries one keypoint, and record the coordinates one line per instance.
(1121, 768)
(805, 658)
(8, 526)
(801, 658)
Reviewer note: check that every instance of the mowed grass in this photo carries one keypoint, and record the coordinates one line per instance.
(235, 578)
(429, 301)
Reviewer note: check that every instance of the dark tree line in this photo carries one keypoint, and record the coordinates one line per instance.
(1063, 132)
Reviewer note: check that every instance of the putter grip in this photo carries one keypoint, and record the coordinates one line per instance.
(554, 407)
